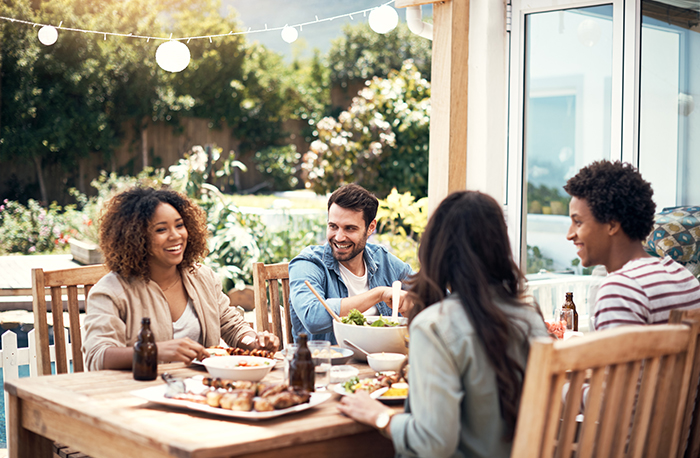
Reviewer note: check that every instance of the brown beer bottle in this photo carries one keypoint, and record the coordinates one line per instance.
(301, 367)
(569, 305)
(145, 365)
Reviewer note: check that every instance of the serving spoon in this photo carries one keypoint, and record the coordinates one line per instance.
(347, 342)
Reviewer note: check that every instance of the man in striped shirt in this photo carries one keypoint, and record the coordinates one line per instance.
(612, 212)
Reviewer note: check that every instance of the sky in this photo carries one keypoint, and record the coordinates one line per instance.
(277, 13)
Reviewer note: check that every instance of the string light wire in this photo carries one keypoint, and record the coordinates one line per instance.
(197, 37)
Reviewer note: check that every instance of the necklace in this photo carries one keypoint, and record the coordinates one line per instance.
(174, 283)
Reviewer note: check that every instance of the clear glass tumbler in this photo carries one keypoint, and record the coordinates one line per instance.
(321, 354)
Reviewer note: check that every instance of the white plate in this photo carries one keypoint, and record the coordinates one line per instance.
(274, 362)
(157, 394)
(340, 389)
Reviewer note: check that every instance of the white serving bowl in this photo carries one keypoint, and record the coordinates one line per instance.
(383, 362)
(372, 340)
(230, 368)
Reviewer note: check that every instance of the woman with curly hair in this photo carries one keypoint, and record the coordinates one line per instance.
(153, 242)
(470, 329)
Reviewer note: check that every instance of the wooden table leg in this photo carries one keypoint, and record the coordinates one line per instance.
(22, 443)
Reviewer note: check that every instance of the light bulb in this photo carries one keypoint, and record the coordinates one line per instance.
(588, 32)
(173, 56)
(383, 19)
(48, 35)
(289, 34)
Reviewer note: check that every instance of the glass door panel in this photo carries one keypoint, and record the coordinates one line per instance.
(669, 124)
(567, 120)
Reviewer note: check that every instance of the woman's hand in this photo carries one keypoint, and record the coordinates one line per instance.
(360, 407)
(262, 340)
(185, 350)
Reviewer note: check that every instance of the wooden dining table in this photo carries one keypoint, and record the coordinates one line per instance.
(95, 413)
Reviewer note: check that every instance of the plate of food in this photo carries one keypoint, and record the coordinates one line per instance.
(387, 386)
(234, 399)
(234, 351)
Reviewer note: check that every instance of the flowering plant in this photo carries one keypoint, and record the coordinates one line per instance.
(32, 228)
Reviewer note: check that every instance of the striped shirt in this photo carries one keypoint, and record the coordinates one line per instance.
(644, 291)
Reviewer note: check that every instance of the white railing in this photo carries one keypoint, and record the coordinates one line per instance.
(11, 357)
(550, 293)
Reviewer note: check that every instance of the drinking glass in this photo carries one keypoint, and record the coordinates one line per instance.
(567, 316)
(321, 355)
(289, 350)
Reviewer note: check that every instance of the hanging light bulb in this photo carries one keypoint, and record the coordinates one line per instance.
(173, 56)
(289, 34)
(48, 35)
(588, 32)
(383, 19)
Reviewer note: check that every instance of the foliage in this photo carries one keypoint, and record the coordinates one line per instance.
(401, 222)
(280, 164)
(362, 54)
(546, 200)
(200, 166)
(536, 261)
(31, 229)
(381, 142)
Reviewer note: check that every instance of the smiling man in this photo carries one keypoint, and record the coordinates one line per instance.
(346, 271)
(612, 212)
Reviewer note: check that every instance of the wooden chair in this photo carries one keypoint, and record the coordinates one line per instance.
(690, 435)
(636, 378)
(59, 281)
(266, 284)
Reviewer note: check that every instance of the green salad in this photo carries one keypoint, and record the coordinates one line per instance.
(355, 317)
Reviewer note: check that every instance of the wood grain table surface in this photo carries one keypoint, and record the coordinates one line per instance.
(95, 413)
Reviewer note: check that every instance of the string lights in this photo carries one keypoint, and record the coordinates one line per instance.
(174, 56)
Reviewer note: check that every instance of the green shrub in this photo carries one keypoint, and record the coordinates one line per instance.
(280, 164)
(401, 222)
(32, 229)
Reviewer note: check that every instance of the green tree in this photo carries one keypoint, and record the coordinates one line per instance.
(381, 142)
(361, 54)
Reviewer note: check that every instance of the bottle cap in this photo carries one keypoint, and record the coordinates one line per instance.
(145, 320)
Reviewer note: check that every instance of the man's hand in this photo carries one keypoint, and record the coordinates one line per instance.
(262, 340)
(405, 305)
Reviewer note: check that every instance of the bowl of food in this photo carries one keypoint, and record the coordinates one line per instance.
(338, 355)
(384, 362)
(251, 368)
(372, 334)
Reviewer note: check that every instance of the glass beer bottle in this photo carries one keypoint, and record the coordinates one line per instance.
(573, 316)
(301, 367)
(145, 366)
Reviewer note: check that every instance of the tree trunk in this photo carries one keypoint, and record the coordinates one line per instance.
(144, 146)
(81, 175)
(40, 177)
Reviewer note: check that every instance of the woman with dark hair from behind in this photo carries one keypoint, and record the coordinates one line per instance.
(470, 329)
(153, 242)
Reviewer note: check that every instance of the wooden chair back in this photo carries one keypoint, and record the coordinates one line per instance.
(630, 383)
(690, 435)
(60, 282)
(267, 279)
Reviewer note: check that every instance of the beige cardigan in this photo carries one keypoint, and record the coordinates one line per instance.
(116, 306)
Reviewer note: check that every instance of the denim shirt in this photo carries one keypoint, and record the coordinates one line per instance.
(317, 265)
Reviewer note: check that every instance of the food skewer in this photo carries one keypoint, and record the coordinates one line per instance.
(330, 310)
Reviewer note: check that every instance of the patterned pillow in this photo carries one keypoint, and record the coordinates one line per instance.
(676, 234)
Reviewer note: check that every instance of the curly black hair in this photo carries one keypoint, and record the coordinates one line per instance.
(616, 191)
(124, 234)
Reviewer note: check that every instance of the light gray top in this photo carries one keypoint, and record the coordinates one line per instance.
(453, 407)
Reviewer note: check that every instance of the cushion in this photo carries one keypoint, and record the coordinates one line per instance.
(676, 233)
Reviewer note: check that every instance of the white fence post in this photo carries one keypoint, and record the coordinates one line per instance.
(10, 368)
(31, 338)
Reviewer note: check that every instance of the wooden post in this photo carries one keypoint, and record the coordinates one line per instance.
(448, 118)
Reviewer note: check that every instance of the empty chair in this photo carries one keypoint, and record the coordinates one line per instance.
(266, 284)
(690, 434)
(61, 282)
(630, 383)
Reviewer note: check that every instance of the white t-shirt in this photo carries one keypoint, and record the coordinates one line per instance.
(188, 324)
(356, 285)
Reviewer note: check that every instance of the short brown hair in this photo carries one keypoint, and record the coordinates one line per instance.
(355, 197)
(124, 234)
